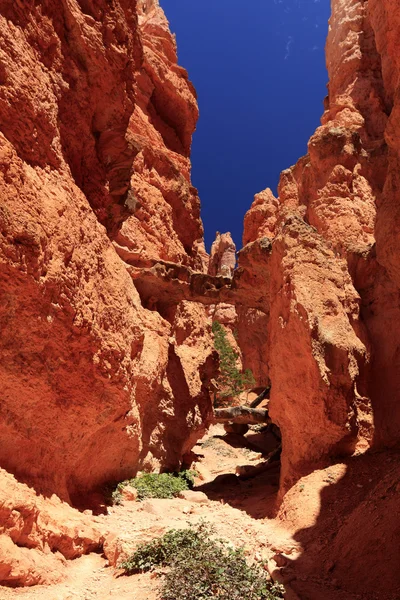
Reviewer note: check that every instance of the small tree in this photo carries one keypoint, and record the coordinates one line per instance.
(232, 382)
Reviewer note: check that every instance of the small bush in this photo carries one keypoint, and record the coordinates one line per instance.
(156, 485)
(161, 551)
(201, 567)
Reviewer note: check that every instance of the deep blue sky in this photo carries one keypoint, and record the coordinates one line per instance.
(259, 70)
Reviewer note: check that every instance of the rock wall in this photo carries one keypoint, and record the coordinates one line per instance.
(333, 286)
(105, 348)
(38, 535)
(222, 264)
(165, 208)
(246, 326)
(96, 124)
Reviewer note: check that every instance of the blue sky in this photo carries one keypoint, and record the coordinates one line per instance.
(259, 70)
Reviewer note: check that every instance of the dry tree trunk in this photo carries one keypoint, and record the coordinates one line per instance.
(242, 415)
(264, 394)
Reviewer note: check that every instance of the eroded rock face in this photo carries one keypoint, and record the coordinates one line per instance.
(223, 255)
(165, 221)
(38, 534)
(222, 264)
(333, 272)
(105, 348)
(96, 123)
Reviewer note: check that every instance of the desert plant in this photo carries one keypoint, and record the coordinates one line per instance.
(156, 485)
(163, 550)
(231, 381)
(200, 567)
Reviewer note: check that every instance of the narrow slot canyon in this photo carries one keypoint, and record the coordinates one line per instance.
(243, 399)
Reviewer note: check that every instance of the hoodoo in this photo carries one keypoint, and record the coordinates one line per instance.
(108, 364)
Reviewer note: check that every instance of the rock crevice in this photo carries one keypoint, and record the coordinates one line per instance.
(107, 293)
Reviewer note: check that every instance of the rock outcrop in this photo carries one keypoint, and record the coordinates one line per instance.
(165, 208)
(96, 124)
(242, 312)
(333, 283)
(222, 264)
(223, 255)
(38, 535)
(106, 354)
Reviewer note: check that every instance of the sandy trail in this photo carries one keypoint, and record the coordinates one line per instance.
(241, 511)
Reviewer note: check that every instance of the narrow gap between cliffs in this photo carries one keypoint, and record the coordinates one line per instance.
(239, 464)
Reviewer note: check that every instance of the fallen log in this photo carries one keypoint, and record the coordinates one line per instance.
(241, 414)
(264, 394)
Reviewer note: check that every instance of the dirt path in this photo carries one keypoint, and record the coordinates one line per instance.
(241, 510)
(236, 510)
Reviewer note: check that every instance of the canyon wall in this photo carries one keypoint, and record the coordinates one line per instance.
(105, 339)
(333, 286)
(106, 354)
(96, 124)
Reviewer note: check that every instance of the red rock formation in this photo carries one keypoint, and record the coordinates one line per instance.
(333, 275)
(38, 534)
(252, 328)
(241, 316)
(96, 121)
(246, 327)
(165, 222)
(223, 255)
(96, 124)
(105, 353)
(331, 287)
(222, 263)
(260, 220)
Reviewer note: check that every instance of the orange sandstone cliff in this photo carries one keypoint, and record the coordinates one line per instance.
(330, 276)
(106, 355)
(333, 287)
(96, 124)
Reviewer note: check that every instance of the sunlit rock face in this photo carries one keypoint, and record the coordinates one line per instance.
(165, 208)
(105, 369)
(222, 264)
(332, 289)
(96, 120)
(39, 534)
(223, 255)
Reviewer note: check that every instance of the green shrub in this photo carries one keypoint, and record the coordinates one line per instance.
(201, 567)
(162, 551)
(156, 485)
(232, 382)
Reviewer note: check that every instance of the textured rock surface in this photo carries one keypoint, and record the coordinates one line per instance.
(260, 220)
(331, 287)
(37, 534)
(96, 124)
(223, 255)
(165, 221)
(105, 351)
(333, 273)
(222, 264)
(252, 328)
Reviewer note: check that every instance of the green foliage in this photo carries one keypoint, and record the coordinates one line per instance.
(162, 551)
(156, 485)
(231, 381)
(201, 567)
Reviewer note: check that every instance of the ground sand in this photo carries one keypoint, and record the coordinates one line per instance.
(242, 511)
